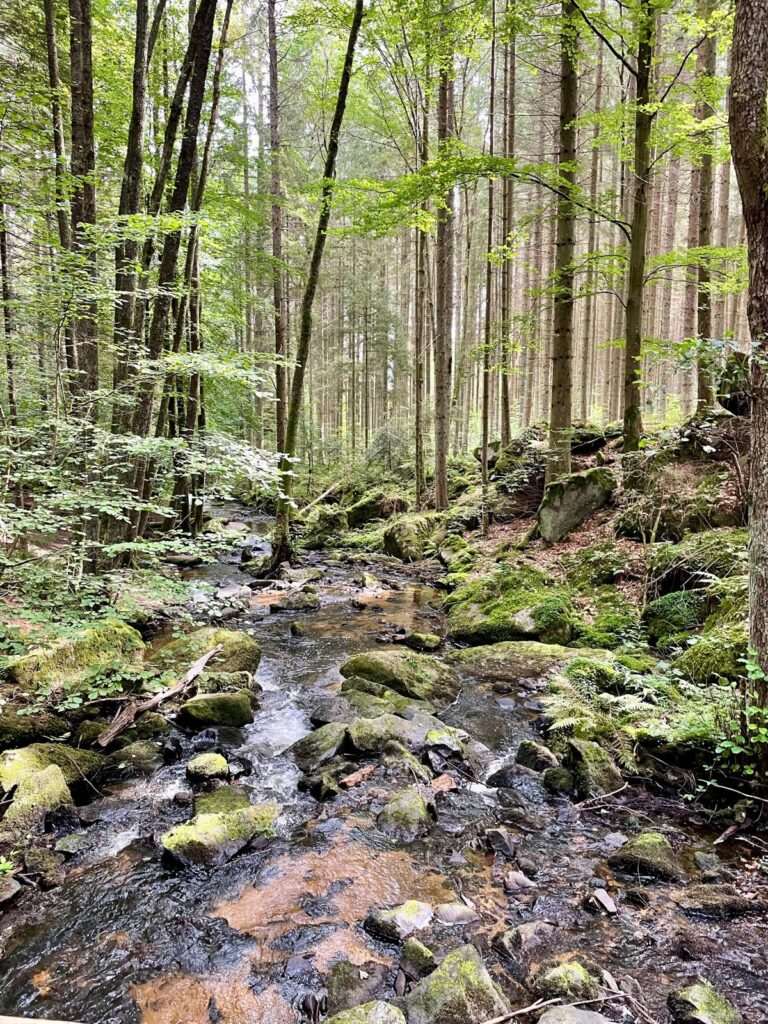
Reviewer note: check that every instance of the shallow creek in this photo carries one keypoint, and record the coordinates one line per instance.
(127, 939)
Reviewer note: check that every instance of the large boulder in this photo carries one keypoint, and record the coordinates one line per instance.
(701, 1003)
(459, 991)
(239, 653)
(407, 815)
(568, 502)
(698, 559)
(716, 654)
(594, 772)
(18, 729)
(65, 661)
(679, 611)
(406, 538)
(375, 504)
(516, 602)
(511, 662)
(212, 839)
(76, 765)
(323, 525)
(319, 747)
(418, 676)
(233, 709)
(37, 795)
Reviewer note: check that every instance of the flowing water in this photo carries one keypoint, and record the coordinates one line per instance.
(127, 939)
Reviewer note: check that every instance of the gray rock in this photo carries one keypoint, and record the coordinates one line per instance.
(535, 756)
(568, 502)
(348, 985)
(8, 887)
(459, 991)
(572, 1015)
(701, 1003)
(319, 747)
(376, 1012)
(397, 924)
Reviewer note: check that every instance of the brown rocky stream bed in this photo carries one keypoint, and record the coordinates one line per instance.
(499, 878)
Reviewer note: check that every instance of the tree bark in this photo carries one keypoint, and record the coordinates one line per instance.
(559, 459)
(281, 392)
(747, 117)
(488, 285)
(704, 376)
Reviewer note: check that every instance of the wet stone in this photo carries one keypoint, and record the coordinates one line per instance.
(650, 854)
(9, 887)
(456, 913)
(701, 1004)
(233, 709)
(397, 924)
(572, 1015)
(319, 747)
(594, 772)
(407, 815)
(558, 781)
(207, 767)
(349, 985)
(418, 960)
(369, 1013)
(75, 842)
(459, 991)
(535, 756)
(719, 901)
(570, 981)
(524, 937)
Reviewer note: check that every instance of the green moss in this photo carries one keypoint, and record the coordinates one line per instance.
(649, 853)
(516, 602)
(458, 991)
(142, 757)
(212, 839)
(570, 982)
(636, 662)
(596, 675)
(234, 709)
(222, 800)
(314, 750)
(596, 566)
(396, 924)
(405, 816)
(65, 661)
(419, 957)
(17, 729)
(240, 652)
(423, 641)
(37, 794)
(594, 772)
(76, 765)
(406, 537)
(207, 766)
(716, 654)
(375, 1012)
(418, 676)
(680, 611)
(615, 624)
(697, 559)
(700, 1003)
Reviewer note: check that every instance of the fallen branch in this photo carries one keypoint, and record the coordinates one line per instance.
(595, 801)
(125, 719)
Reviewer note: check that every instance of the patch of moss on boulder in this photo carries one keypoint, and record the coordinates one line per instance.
(375, 1012)
(406, 537)
(459, 991)
(17, 729)
(213, 839)
(222, 800)
(516, 602)
(76, 765)
(65, 661)
(240, 652)
(375, 504)
(318, 747)
(418, 676)
(568, 502)
(422, 641)
(207, 767)
(697, 559)
(514, 661)
(535, 756)
(324, 524)
(594, 772)
(406, 815)
(701, 1003)
(419, 958)
(142, 757)
(715, 655)
(570, 982)
(679, 611)
(649, 853)
(37, 795)
(234, 709)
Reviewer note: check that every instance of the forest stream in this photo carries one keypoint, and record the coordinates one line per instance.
(129, 938)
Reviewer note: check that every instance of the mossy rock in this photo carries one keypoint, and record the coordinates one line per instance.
(679, 611)
(418, 676)
(569, 501)
(649, 853)
(222, 800)
(373, 735)
(375, 504)
(207, 767)
(514, 661)
(570, 982)
(16, 729)
(142, 757)
(319, 747)
(37, 794)
(65, 661)
(406, 537)
(516, 602)
(594, 772)
(721, 901)
(240, 652)
(299, 601)
(397, 924)
(375, 1012)
(213, 839)
(595, 566)
(459, 991)
(558, 781)
(234, 709)
(422, 641)
(351, 985)
(323, 525)
(535, 756)
(419, 958)
(46, 865)
(716, 655)
(696, 560)
(76, 765)
(701, 1003)
(406, 816)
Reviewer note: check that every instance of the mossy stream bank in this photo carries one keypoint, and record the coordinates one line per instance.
(384, 812)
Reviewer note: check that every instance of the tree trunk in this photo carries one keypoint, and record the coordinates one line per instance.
(7, 296)
(443, 296)
(559, 459)
(748, 115)
(633, 424)
(704, 376)
(281, 392)
(488, 284)
(282, 545)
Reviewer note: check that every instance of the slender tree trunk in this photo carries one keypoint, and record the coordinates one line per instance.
(443, 296)
(559, 460)
(633, 424)
(704, 377)
(748, 116)
(282, 546)
(7, 295)
(510, 99)
(281, 354)
(488, 284)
